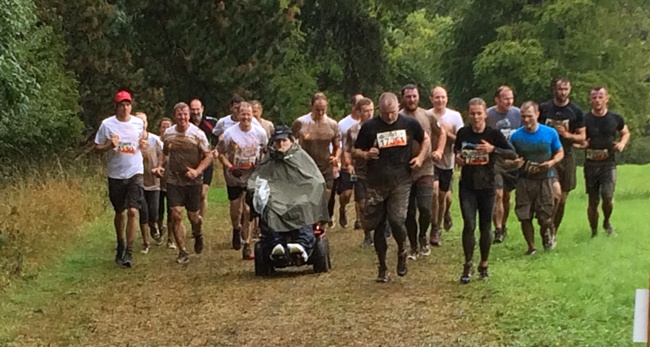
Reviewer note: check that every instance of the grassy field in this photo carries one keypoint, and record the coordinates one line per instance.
(580, 294)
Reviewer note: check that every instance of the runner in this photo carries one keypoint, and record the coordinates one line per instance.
(188, 154)
(443, 172)
(421, 198)
(121, 136)
(356, 166)
(315, 132)
(386, 142)
(506, 118)
(567, 119)
(344, 186)
(476, 148)
(602, 127)
(233, 118)
(149, 208)
(539, 149)
(206, 124)
(163, 207)
(258, 110)
(240, 149)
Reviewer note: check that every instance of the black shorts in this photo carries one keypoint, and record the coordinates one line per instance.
(534, 198)
(360, 189)
(506, 180)
(565, 173)
(207, 174)
(344, 182)
(444, 178)
(235, 192)
(187, 196)
(149, 209)
(126, 193)
(600, 181)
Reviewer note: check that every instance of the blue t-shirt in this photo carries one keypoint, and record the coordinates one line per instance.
(536, 147)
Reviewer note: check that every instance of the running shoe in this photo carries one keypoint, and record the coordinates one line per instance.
(119, 254)
(483, 272)
(247, 253)
(609, 230)
(425, 250)
(367, 240)
(127, 259)
(412, 255)
(145, 249)
(402, 269)
(466, 277)
(198, 243)
(434, 239)
(531, 251)
(171, 244)
(155, 234)
(383, 276)
(357, 225)
(594, 232)
(236, 239)
(499, 235)
(183, 257)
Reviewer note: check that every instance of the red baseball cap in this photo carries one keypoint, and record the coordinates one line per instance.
(122, 95)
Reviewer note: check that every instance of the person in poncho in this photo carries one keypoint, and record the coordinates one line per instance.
(288, 193)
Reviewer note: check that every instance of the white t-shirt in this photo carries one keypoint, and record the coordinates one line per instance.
(454, 120)
(344, 125)
(125, 160)
(227, 122)
(243, 149)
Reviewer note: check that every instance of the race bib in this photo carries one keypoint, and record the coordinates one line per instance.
(597, 154)
(126, 148)
(395, 138)
(554, 123)
(246, 157)
(474, 157)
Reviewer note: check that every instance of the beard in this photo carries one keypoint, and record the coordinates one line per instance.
(195, 118)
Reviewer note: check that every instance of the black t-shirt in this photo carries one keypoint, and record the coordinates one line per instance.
(478, 171)
(601, 134)
(551, 114)
(207, 124)
(395, 143)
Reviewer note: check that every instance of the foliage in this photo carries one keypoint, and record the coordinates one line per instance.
(38, 96)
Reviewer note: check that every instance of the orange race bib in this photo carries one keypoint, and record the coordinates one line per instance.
(388, 139)
(596, 154)
(474, 157)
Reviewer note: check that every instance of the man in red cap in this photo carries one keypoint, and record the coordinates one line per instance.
(122, 136)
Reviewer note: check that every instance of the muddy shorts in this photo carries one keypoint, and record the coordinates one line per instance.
(506, 180)
(360, 187)
(565, 173)
(534, 198)
(600, 181)
(188, 196)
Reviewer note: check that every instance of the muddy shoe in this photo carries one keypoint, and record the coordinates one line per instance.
(343, 219)
(236, 239)
(435, 239)
(367, 240)
(198, 243)
(499, 235)
(119, 253)
(425, 250)
(609, 230)
(357, 225)
(466, 277)
(483, 272)
(127, 260)
(383, 276)
(402, 269)
(247, 253)
(183, 257)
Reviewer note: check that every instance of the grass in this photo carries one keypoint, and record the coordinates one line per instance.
(581, 294)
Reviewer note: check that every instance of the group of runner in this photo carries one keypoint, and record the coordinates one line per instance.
(398, 168)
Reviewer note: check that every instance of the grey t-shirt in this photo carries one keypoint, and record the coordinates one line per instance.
(506, 123)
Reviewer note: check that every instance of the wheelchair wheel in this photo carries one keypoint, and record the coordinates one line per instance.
(321, 256)
(262, 266)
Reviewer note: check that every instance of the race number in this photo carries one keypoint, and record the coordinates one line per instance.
(596, 154)
(388, 139)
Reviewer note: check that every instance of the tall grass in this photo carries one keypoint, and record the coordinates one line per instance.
(42, 208)
(580, 294)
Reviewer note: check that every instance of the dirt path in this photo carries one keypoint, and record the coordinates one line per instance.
(215, 300)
